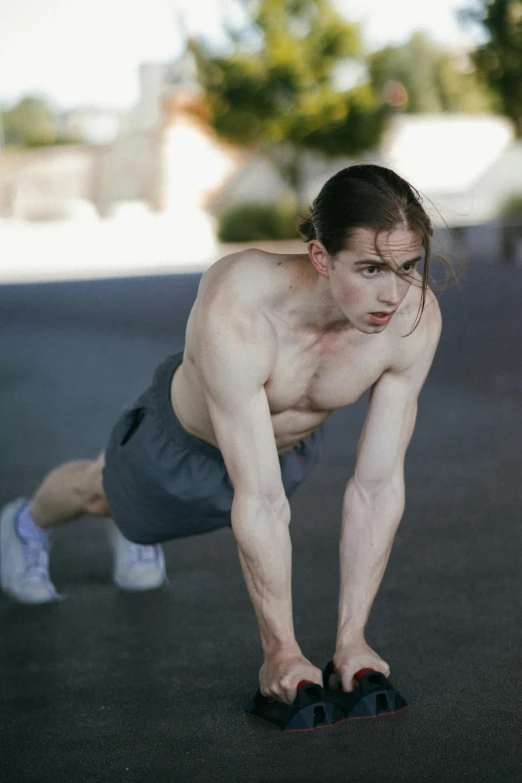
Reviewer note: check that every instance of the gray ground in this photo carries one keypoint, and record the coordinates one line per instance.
(108, 686)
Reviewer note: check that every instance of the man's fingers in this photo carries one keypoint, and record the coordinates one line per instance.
(286, 689)
(348, 681)
(279, 679)
(348, 673)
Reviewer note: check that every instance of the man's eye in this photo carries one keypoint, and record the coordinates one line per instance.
(409, 267)
(370, 271)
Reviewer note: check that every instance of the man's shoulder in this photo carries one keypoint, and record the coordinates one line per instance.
(244, 270)
(234, 294)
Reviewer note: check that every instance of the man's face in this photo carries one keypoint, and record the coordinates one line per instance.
(369, 286)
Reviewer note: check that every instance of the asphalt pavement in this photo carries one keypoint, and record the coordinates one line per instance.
(108, 686)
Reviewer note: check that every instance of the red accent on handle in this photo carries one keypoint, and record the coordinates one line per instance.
(360, 674)
(302, 683)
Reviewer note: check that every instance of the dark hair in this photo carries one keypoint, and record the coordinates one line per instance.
(372, 197)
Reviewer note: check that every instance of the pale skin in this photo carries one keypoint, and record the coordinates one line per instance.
(274, 344)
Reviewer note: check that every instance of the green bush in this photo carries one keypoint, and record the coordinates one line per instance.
(511, 209)
(249, 222)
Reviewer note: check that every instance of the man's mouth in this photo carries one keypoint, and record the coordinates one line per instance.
(382, 316)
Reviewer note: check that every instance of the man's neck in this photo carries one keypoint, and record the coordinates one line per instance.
(309, 305)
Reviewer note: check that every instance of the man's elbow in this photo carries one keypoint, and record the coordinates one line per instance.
(260, 508)
(383, 491)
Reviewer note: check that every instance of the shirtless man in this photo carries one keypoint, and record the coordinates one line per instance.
(228, 429)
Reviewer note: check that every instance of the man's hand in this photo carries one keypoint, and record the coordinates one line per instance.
(349, 659)
(281, 673)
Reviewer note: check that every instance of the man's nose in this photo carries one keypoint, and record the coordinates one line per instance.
(390, 291)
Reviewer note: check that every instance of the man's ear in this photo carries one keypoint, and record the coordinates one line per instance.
(319, 257)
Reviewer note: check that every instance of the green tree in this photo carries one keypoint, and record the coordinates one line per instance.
(30, 123)
(499, 58)
(276, 88)
(433, 80)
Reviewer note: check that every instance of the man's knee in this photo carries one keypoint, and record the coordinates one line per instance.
(94, 498)
(98, 505)
(83, 481)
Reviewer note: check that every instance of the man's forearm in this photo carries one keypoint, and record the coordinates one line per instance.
(370, 520)
(265, 553)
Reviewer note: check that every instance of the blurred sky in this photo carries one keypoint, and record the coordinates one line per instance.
(87, 52)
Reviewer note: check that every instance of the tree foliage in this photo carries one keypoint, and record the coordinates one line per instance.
(499, 58)
(30, 123)
(277, 87)
(434, 80)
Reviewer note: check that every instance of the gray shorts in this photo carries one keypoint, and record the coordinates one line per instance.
(162, 482)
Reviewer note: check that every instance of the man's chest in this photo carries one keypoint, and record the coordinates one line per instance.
(324, 376)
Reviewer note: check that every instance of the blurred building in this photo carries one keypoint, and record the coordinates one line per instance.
(164, 156)
(92, 125)
(467, 165)
(49, 183)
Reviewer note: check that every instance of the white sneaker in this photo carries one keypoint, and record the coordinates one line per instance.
(24, 564)
(136, 567)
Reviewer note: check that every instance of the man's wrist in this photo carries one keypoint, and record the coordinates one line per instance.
(280, 648)
(349, 635)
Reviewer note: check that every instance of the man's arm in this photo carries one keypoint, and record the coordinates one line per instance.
(235, 356)
(374, 500)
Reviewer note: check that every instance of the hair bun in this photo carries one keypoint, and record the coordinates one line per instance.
(306, 229)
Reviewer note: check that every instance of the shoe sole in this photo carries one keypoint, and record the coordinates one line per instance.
(138, 589)
(13, 508)
(113, 534)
